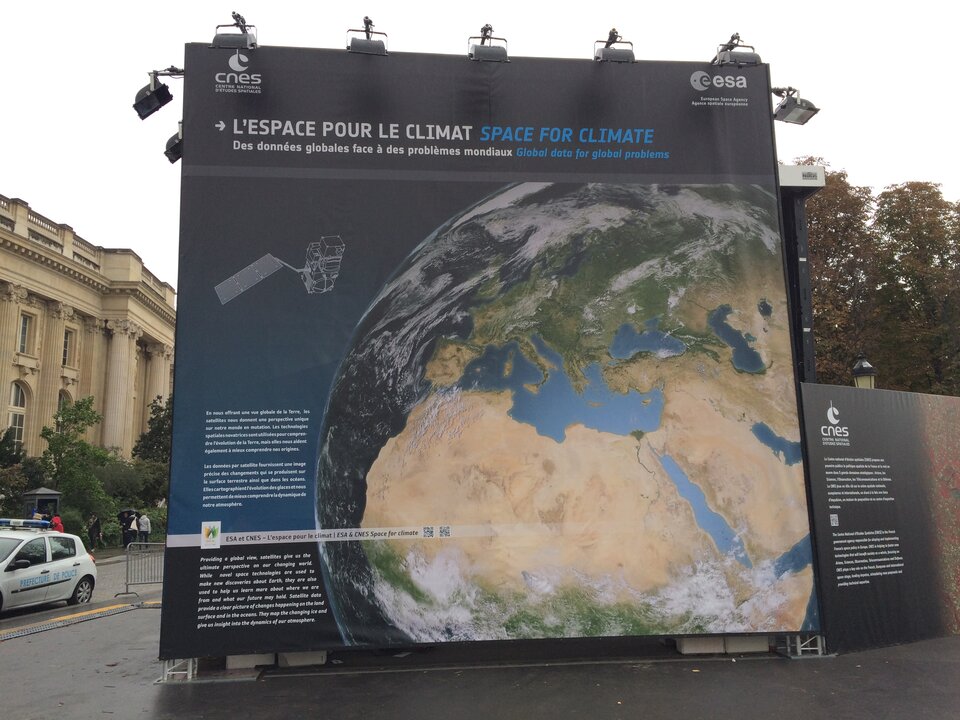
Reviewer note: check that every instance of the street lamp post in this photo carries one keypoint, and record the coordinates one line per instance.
(864, 374)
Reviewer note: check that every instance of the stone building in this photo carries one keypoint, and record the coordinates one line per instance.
(78, 320)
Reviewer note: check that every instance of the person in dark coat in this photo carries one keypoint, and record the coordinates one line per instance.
(94, 531)
(129, 525)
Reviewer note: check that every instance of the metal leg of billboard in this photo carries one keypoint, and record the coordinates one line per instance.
(179, 670)
(801, 646)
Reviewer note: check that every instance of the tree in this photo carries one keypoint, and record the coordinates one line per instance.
(140, 484)
(69, 460)
(10, 451)
(121, 481)
(884, 280)
(17, 478)
(154, 444)
(919, 288)
(842, 266)
(13, 484)
(152, 452)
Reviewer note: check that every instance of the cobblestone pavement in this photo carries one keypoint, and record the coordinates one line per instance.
(106, 666)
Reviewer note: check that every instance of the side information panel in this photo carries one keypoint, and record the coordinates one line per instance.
(885, 473)
(479, 351)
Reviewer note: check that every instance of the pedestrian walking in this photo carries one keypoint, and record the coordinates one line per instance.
(130, 529)
(143, 523)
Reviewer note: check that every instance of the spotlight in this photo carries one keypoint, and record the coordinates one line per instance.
(793, 108)
(610, 52)
(363, 42)
(174, 149)
(154, 95)
(245, 39)
(729, 53)
(487, 50)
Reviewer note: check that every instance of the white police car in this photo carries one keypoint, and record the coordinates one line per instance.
(39, 566)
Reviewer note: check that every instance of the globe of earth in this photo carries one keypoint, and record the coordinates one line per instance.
(547, 425)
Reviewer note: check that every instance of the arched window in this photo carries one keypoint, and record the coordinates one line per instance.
(17, 415)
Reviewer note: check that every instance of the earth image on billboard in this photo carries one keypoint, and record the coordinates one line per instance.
(581, 397)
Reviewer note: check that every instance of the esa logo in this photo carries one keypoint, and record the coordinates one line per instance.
(834, 428)
(238, 75)
(704, 81)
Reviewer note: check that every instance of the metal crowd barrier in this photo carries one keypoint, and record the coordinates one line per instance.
(144, 564)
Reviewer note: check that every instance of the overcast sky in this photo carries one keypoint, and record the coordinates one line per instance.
(72, 147)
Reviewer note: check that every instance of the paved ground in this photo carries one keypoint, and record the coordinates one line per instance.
(111, 582)
(107, 667)
(103, 663)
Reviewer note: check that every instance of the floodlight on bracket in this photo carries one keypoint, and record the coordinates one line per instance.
(155, 94)
(793, 108)
(174, 149)
(244, 39)
(613, 49)
(735, 52)
(364, 42)
(489, 49)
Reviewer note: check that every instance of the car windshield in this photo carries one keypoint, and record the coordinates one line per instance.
(6, 547)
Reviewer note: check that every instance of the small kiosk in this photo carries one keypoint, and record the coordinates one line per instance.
(42, 500)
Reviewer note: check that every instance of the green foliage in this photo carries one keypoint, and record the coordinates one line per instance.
(13, 483)
(120, 481)
(155, 479)
(74, 522)
(842, 249)
(158, 522)
(10, 452)
(34, 471)
(139, 484)
(919, 288)
(152, 453)
(112, 534)
(885, 276)
(154, 444)
(90, 479)
(69, 460)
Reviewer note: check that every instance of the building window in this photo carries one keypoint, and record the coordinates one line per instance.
(18, 412)
(69, 340)
(23, 341)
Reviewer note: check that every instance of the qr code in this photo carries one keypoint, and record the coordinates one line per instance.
(834, 520)
(444, 531)
(428, 531)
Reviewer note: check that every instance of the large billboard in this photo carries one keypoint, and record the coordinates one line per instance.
(885, 481)
(479, 351)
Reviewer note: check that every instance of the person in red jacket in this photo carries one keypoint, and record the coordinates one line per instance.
(56, 523)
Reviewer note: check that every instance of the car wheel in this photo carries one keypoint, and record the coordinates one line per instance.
(82, 592)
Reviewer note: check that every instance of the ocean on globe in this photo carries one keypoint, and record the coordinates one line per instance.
(571, 412)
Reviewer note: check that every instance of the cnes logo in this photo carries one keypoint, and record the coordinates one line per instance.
(834, 428)
(702, 80)
(238, 75)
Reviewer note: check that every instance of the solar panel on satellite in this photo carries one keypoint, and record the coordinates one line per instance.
(247, 278)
